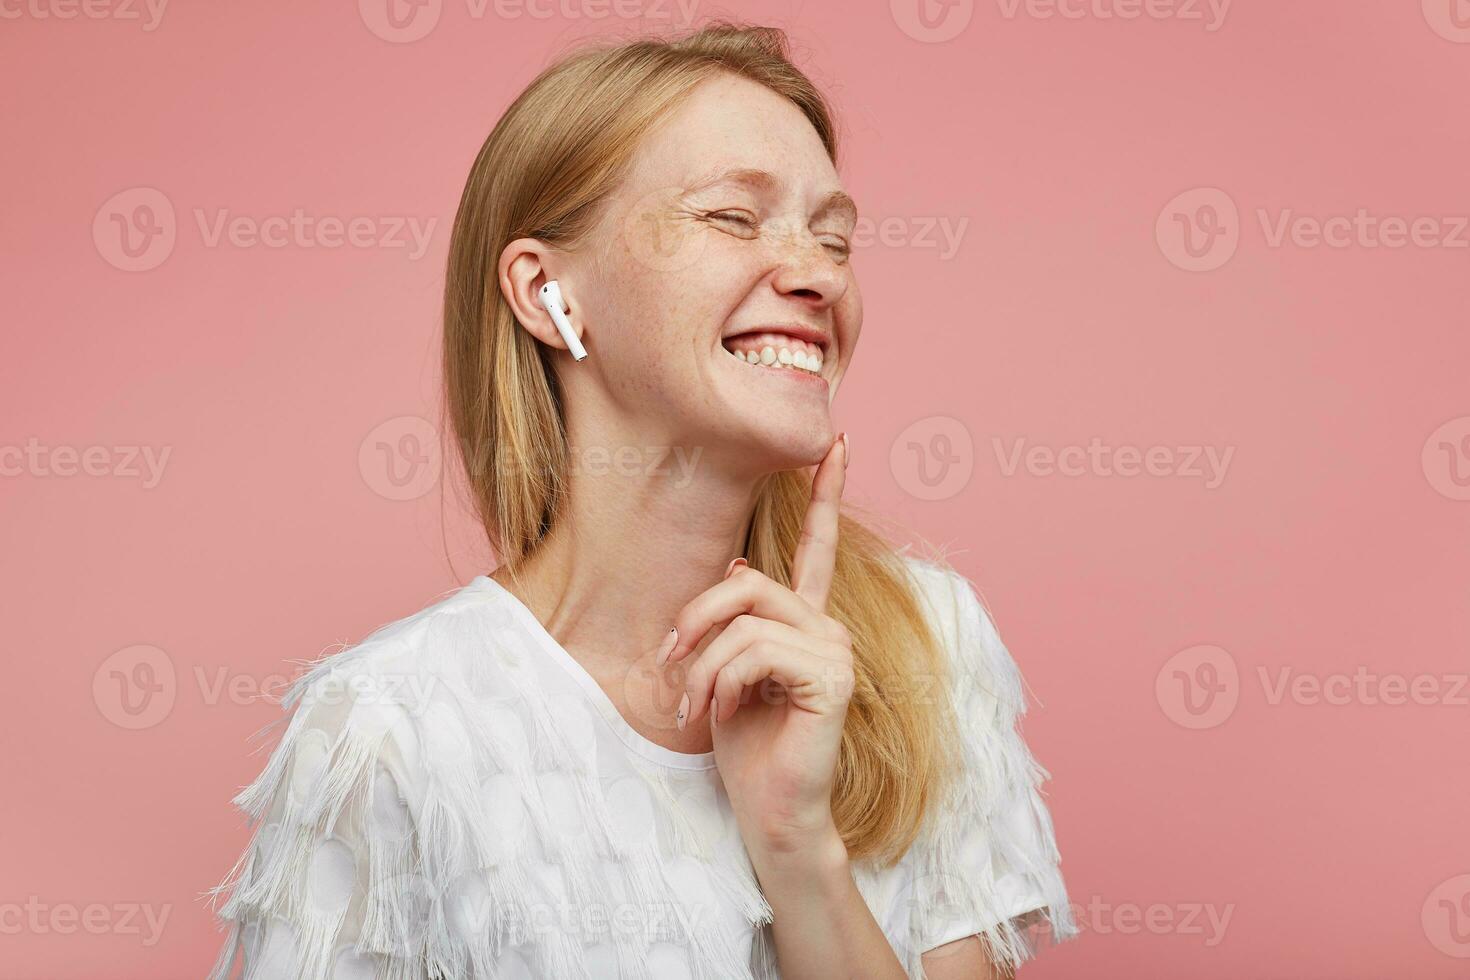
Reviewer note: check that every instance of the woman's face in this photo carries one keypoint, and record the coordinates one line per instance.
(731, 233)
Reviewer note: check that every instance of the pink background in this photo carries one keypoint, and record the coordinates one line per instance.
(1332, 835)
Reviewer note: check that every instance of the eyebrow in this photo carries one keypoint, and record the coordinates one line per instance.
(764, 180)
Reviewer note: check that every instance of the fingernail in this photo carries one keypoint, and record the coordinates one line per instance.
(668, 647)
(683, 710)
(714, 712)
(846, 451)
(735, 563)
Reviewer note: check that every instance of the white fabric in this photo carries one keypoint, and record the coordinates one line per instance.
(455, 796)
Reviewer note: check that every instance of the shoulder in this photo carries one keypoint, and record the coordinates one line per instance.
(402, 660)
(966, 631)
(399, 695)
(400, 698)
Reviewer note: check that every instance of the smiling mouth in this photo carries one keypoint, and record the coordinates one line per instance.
(776, 351)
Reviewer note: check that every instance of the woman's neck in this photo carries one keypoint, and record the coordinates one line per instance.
(634, 545)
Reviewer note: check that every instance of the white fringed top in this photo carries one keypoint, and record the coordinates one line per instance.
(455, 796)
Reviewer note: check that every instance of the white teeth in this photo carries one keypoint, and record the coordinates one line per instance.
(781, 357)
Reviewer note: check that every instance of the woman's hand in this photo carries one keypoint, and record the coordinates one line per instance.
(777, 679)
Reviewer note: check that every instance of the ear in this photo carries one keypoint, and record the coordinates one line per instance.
(523, 269)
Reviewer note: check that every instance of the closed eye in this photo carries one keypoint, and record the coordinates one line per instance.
(839, 247)
(735, 216)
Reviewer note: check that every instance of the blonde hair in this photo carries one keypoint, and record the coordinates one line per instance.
(502, 401)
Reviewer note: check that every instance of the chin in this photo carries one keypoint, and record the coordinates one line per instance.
(775, 446)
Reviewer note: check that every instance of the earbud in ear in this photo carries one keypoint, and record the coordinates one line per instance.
(551, 299)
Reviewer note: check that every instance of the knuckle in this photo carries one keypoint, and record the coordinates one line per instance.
(742, 627)
(743, 571)
(838, 632)
(841, 682)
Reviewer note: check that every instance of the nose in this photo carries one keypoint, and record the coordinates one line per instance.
(807, 271)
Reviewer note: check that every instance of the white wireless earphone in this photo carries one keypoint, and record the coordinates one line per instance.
(551, 298)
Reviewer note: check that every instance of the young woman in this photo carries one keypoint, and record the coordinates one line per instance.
(698, 723)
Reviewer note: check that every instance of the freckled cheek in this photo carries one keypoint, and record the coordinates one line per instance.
(849, 321)
(685, 305)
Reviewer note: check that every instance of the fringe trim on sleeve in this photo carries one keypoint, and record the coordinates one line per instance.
(988, 855)
(311, 784)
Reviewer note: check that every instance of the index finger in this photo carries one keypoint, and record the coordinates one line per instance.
(816, 552)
